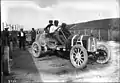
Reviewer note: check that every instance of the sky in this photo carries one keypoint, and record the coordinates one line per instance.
(36, 13)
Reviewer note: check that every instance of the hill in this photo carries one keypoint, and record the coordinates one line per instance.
(112, 23)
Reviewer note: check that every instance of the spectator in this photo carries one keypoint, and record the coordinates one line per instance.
(33, 35)
(6, 37)
(22, 39)
(14, 38)
(38, 31)
(11, 42)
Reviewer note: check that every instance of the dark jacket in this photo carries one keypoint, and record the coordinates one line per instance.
(24, 35)
(66, 32)
(33, 34)
(47, 28)
(6, 33)
(5, 37)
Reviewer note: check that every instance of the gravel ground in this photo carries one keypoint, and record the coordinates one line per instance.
(27, 69)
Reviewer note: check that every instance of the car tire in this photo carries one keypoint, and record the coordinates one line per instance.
(78, 58)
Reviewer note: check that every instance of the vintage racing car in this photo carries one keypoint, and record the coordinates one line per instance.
(77, 49)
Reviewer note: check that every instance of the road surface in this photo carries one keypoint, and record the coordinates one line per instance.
(27, 69)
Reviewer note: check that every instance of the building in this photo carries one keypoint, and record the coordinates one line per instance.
(104, 29)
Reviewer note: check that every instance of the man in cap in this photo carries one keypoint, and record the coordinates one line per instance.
(47, 28)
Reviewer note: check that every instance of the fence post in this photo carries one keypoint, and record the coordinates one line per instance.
(6, 59)
(85, 31)
(99, 34)
(91, 31)
(79, 31)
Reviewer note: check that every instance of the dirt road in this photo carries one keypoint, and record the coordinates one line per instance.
(27, 69)
(23, 69)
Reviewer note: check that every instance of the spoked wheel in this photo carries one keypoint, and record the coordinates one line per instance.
(78, 56)
(103, 53)
(36, 49)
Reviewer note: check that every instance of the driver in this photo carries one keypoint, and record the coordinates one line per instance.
(54, 31)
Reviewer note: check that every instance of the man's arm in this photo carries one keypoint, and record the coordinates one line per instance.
(46, 29)
(47, 26)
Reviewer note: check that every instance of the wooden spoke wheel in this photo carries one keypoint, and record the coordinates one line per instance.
(103, 53)
(78, 56)
(36, 49)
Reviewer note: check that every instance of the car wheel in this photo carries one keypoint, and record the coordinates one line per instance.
(103, 53)
(78, 56)
(36, 49)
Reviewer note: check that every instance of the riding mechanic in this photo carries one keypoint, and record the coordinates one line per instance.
(54, 32)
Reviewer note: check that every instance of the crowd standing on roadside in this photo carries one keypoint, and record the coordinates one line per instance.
(18, 38)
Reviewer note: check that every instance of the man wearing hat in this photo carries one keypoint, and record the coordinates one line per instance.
(47, 28)
(22, 38)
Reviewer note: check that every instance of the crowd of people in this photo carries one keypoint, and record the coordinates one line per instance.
(18, 38)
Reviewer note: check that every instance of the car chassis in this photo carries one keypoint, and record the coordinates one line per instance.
(77, 49)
